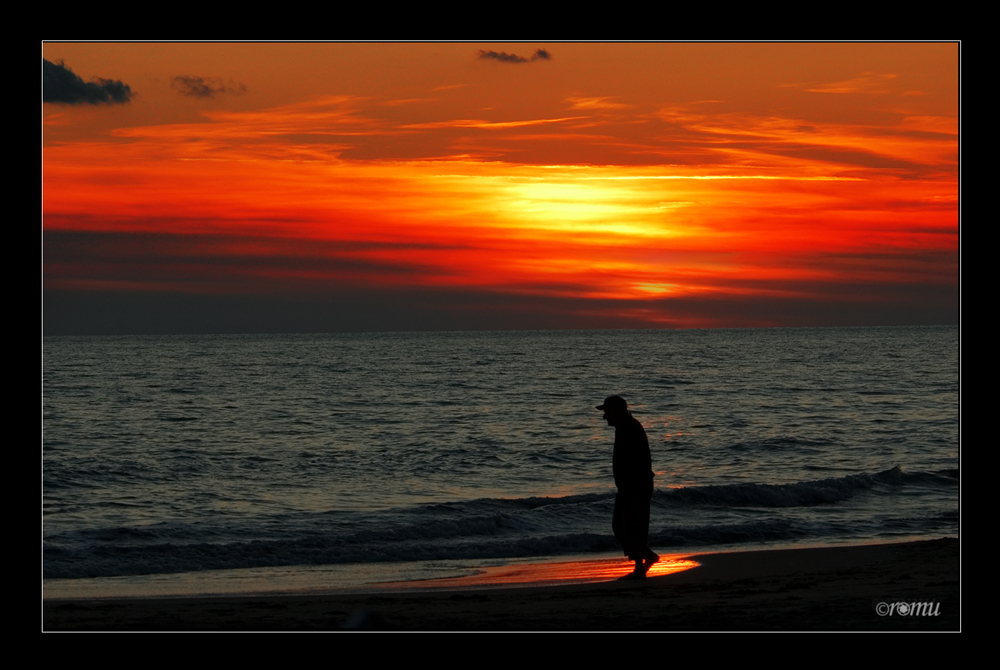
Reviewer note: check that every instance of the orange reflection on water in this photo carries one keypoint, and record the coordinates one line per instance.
(551, 574)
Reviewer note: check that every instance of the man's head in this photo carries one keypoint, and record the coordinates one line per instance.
(615, 409)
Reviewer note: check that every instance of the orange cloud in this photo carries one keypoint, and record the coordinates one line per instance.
(651, 205)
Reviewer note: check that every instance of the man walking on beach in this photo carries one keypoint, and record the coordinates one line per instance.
(633, 470)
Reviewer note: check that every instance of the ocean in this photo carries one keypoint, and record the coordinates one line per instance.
(297, 463)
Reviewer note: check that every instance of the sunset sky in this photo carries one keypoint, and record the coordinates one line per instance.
(227, 188)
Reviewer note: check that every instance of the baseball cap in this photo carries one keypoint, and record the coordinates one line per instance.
(613, 402)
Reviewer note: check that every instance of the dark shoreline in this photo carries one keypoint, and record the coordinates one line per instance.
(824, 589)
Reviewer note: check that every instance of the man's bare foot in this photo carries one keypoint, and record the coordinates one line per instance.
(651, 559)
(638, 573)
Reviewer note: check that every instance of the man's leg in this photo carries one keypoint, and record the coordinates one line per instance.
(618, 523)
(631, 532)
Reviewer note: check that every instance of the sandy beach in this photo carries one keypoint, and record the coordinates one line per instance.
(871, 587)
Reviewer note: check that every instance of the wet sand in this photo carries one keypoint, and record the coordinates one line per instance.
(826, 589)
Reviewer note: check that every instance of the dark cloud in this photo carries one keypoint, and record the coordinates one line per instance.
(208, 260)
(504, 57)
(62, 85)
(206, 87)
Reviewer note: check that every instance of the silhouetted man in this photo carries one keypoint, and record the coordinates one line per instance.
(633, 471)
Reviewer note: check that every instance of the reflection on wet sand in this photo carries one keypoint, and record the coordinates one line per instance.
(545, 574)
